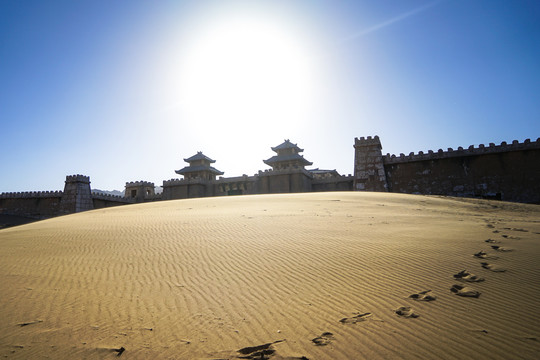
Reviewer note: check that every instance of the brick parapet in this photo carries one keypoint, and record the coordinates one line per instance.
(139, 183)
(369, 141)
(31, 194)
(470, 151)
(78, 178)
(176, 182)
(334, 179)
(222, 180)
(285, 172)
(109, 197)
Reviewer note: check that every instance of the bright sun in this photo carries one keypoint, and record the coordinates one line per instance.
(240, 72)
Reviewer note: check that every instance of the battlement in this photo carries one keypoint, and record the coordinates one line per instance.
(236, 179)
(460, 151)
(173, 182)
(369, 141)
(110, 197)
(78, 178)
(31, 194)
(270, 172)
(139, 183)
(334, 179)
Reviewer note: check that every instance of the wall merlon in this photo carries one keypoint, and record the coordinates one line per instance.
(31, 194)
(139, 183)
(78, 178)
(110, 197)
(470, 151)
(369, 141)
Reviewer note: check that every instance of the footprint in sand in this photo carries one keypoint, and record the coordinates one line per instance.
(491, 241)
(263, 351)
(357, 318)
(423, 296)
(511, 237)
(484, 255)
(323, 340)
(467, 276)
(406, 311)
(464, 291)
(492, 267)
(500, 248)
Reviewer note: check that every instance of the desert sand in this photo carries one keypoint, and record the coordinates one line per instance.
(298, 276)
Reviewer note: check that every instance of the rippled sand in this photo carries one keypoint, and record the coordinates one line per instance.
(316, 276)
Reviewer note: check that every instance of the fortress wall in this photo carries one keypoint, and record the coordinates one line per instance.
(101, 201)
(341, 183)
(186, 188)
(508, 172)
(35, 204)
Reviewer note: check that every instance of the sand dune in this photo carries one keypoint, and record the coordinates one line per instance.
(299, 276)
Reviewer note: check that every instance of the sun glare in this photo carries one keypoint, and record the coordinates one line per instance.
(241, 72)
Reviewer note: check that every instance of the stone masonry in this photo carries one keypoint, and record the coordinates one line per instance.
(77, 195)
(369, 172)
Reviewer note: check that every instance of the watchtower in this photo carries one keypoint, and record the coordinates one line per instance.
(139, 190)
(77, 195)
(369, 172)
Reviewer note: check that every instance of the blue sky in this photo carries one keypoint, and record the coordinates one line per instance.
(124, 90)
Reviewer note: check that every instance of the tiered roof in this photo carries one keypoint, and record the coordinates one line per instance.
(199, 163)
(287, 155)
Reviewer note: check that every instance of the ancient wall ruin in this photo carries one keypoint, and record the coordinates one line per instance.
(76, 197)
(507, 171)
(32, 204)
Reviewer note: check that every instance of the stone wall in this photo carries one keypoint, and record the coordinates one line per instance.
(35, 204)
(76, 197)
(187, 188)
(101, 201)
(340, 183)
(507, 171)
(369, 172)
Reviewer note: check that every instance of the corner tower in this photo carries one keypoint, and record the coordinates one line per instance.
(77, 195)
(369, 172)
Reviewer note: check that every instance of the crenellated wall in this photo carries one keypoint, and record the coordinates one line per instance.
(32, 204)
(506, 171)
(339, 183)
(101, 200)
(76, 197)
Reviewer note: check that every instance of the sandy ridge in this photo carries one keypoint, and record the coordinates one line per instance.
(204, 278)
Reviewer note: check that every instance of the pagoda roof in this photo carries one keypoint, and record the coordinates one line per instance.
(199, 156)
(200, 168)
(287, 144)
(287, 157)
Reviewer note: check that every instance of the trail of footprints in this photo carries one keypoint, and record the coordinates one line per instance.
(464, 276)
(265, 351)
(462, 289)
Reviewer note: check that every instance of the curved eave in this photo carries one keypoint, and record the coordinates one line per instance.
(192, 169)
(276, 160)
(199, 156)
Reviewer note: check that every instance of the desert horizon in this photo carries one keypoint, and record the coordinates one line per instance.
(342, 275)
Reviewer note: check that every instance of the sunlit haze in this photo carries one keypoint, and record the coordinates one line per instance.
(123, 91)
